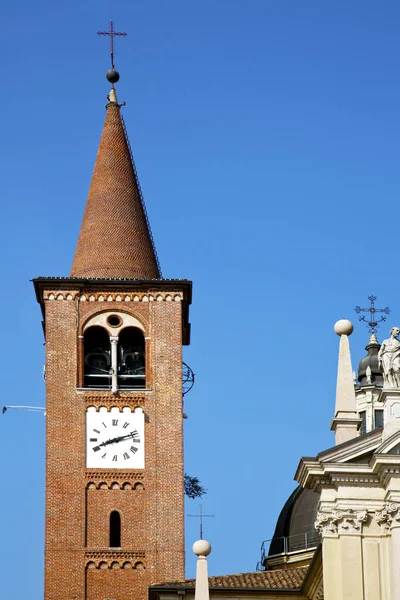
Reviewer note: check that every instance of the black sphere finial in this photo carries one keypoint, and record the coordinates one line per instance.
(112, 76)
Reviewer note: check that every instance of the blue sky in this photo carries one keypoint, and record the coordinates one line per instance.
(266, 136)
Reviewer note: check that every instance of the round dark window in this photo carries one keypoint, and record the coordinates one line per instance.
(114, 320)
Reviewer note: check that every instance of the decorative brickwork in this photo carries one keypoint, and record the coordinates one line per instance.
(78, 562)
(115, 240)
(117, 401)
(129, 480)
(112, 582)
(122, 560)
(114, 297)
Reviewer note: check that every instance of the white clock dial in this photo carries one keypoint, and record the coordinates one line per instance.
(115, 439)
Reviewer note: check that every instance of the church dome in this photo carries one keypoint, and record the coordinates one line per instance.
(295, 528)
(371, 360)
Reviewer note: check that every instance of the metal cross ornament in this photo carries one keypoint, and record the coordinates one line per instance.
(201, 516)
(373, 322)
(112, 35)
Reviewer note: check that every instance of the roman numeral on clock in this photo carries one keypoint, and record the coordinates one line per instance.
(135, 436)
(115, 457)
(125, 425)
(126, 455)
(133, 449)
(115, 421)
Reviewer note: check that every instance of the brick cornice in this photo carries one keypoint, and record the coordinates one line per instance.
(119, 291)
(116, 559)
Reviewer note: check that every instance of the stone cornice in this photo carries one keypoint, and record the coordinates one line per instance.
(337, 455)
(332, 467)
(385, 467)
(349, 420)
(308, 471)
(315, 474)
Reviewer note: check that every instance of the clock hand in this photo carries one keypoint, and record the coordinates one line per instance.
(121, 438)
(107, 442)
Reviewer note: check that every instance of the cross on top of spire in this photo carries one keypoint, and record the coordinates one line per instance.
(373, 322)
(112, 35)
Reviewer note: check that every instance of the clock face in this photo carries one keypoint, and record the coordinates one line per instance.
(115, 439)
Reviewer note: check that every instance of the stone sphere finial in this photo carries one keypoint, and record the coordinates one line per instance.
(343, 327)
(202, 548)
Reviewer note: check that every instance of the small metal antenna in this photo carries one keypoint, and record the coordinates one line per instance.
(201, 516)
(112, 35)
(28, 408)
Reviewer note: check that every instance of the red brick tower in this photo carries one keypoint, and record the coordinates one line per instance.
(114, 333)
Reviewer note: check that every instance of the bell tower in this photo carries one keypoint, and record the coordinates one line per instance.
(114, 332)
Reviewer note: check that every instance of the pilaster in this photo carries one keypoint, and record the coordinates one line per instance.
(341, 532)
(389, 520)
(391, 411)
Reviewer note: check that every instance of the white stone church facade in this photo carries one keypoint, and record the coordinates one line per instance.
(349, 493)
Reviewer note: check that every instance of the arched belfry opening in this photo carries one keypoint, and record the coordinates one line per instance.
(131, 358)
(97, 358)
(114, 355)
(115, 529)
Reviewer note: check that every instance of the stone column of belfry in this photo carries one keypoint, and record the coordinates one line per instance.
(114, 369)
(345, 423)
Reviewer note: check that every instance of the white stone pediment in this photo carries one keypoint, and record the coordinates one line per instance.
(349, 462)
(351, 450)
(390, 446)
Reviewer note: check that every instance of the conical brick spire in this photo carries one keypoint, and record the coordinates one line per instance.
(115, 239)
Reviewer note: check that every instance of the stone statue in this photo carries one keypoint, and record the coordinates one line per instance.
(368, 374)
(389, 359)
